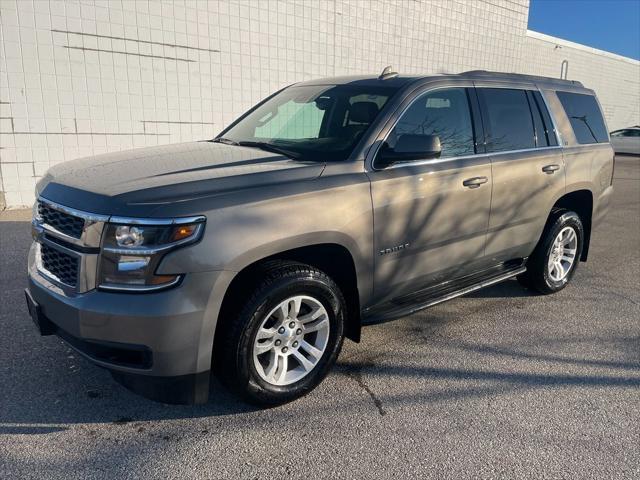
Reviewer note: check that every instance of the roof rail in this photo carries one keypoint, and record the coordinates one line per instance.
(514, 76)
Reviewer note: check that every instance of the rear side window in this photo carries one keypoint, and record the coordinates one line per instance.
(585, 117)
(507, 118)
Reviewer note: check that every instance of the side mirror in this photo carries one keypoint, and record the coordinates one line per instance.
(410, 147)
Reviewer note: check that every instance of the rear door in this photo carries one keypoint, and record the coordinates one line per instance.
(527, 168)
(429, 221)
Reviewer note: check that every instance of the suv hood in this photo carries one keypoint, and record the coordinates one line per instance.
(167, 173)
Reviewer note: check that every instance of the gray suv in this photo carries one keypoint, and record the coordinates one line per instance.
(332, 204)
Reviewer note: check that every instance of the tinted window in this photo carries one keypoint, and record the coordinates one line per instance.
(540, 132)
(552, 139)
(292, 120)
(507, 119)
(444, 113)
(627, 133)
(585, 117)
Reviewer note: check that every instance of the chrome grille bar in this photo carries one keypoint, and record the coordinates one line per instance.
(73, 234)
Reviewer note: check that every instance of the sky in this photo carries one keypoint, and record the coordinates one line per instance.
(612, 25)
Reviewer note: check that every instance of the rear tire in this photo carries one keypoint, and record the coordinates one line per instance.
(286, 336)
(554, 261)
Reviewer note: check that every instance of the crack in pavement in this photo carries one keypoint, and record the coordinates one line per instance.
(356, 375)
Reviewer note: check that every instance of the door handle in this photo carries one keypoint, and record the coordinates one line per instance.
(475, 182)
(549, 169)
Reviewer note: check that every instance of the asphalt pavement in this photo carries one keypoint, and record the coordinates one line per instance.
(498, 384)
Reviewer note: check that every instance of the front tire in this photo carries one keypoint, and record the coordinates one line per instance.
(554, 261)
(286, 337)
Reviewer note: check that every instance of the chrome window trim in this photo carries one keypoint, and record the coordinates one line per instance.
(431, 161)
(586, 145)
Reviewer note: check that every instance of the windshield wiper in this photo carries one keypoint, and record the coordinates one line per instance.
(269, 147)
(226, 141)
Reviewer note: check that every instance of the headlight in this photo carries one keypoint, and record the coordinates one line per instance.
(132, 250)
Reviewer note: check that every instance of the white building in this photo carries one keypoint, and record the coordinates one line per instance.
(82, 77)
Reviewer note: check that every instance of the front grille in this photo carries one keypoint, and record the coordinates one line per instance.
(61, 221)
(62, 266)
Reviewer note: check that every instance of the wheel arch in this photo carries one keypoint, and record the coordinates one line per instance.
(581, 202)
(333, 258)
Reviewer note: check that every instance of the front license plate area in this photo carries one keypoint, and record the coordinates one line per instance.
(44, 326)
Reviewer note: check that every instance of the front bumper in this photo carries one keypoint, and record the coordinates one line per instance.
(162, 338)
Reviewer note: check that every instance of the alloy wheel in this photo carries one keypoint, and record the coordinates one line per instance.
(563, 254)
(291, 340)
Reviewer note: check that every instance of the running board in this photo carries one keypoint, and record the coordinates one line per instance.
(403, 306)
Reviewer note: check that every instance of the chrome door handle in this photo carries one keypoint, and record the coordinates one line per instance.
(549, 169)
(475, 182)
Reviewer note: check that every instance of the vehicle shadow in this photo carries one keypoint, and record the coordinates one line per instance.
(40, 400)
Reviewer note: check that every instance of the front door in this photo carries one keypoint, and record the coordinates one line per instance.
(431, 215)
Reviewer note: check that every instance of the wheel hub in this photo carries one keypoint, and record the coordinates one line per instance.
(290, 335)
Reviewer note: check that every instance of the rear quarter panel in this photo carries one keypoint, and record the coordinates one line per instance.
(588, 167)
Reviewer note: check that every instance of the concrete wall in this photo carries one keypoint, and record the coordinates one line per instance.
(82, 77)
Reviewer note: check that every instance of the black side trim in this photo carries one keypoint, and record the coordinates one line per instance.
(451, 286)
(478, 128)
(426, 297)
(180, 390)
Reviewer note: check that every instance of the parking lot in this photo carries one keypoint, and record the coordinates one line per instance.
(500, 383)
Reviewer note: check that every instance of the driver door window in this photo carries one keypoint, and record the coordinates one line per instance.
(444, 113)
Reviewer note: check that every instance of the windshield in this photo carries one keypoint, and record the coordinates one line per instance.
(313, 122)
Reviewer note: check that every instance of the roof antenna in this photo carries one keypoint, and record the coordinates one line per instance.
(387, 73)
